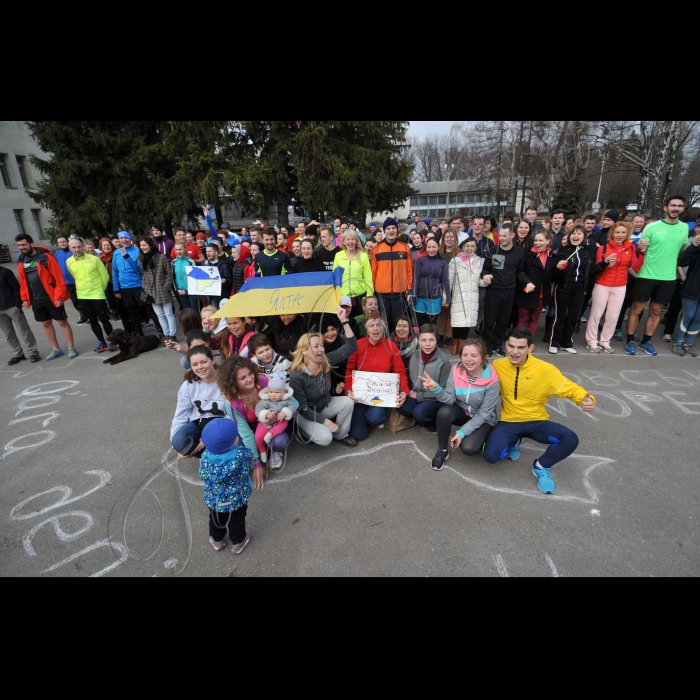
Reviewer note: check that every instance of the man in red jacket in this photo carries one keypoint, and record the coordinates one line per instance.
(43, 287)
(375, 353)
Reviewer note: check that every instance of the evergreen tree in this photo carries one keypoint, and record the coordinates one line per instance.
(108, 175)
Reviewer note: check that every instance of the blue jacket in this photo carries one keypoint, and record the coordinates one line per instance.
(62, 258)
(126, 271)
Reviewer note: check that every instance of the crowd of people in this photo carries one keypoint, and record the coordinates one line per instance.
(478, 288)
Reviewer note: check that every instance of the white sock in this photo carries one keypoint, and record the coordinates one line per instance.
(538, 465)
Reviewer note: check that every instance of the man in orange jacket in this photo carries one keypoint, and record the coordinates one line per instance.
(43, 287)
(392, 271)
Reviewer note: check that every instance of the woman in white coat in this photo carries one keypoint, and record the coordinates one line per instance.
(465, 279)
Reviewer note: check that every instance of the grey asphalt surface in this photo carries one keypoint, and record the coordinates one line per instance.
(91, 488)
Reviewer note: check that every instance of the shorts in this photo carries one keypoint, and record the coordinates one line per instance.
(46, 311)
(430, 307)
(658, 291)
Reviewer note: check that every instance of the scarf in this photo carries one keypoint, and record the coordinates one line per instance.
(426, 358)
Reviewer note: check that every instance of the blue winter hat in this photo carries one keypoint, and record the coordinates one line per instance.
(373, 223)
(428, 221)
(278, 380)
(219, 435)
(391, 222)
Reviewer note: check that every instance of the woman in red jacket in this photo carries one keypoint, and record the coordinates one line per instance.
(612, 262)
(375, 353)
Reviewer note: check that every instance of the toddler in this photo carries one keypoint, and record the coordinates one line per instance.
(225, 468)
(274, 411)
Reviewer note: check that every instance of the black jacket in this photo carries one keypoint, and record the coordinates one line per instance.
(690, 258)
(540, 277)
(9, 290)
(579, 266)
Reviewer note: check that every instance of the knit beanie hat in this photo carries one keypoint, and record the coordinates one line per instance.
(278, 380)
(312, 230)
(391, 222)
(463, 238)
(612, 214)
(219, 435)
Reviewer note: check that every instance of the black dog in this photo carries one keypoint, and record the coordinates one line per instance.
(130, 346)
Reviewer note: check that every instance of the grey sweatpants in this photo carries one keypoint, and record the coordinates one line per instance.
(13, 320)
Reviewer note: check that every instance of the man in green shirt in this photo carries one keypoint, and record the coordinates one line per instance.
(661, 245)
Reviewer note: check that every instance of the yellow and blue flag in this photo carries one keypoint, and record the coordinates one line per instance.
(306, 293)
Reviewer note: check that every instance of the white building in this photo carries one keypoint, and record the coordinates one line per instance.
(19, 213)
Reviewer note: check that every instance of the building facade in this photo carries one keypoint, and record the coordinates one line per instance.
(19, 213)
(440, 200)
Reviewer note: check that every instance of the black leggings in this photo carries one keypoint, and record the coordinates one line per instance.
(96, 312)
(460, 333)
(454, 415)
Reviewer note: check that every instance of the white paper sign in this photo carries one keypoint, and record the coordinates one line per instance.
(375, 389)
(203, 281)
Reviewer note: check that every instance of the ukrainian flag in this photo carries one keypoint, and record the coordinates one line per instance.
(311, 292)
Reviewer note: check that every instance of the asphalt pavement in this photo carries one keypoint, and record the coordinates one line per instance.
(90, 487)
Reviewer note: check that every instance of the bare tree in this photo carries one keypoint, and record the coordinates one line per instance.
(655, 149)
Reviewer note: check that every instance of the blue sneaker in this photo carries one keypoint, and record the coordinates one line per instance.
(544, 480)
(630, 348)
(55, 354)
(102, 347)
(514, 453)
(648, 349)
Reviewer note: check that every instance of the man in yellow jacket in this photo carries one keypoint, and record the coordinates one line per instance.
(526, 386)
(91, 280)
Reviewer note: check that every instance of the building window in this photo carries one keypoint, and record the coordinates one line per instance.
(37, 223)
(442, 199)
(23, 170)
(422, 201)
(5, 172)
(432, 201)
(18, 219)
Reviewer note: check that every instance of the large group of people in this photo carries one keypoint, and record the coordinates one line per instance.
(477, 288)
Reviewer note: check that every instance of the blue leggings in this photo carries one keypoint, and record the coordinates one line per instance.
(505, 436)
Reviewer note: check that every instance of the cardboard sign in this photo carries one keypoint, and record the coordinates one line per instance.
(203, 281)
(375, 389)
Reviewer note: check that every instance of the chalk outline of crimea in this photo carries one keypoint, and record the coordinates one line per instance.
(203, 280)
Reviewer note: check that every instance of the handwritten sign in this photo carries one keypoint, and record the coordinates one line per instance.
(375, 389)
(203, 281)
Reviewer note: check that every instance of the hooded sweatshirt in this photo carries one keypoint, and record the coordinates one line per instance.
(479, 397)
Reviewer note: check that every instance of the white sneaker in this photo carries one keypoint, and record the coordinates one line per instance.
(594, 348)
(571, 351)
(268, 438)
(277, 461)
(553, 350)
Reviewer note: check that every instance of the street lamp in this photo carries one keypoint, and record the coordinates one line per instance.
(450, 170)
(596, 205)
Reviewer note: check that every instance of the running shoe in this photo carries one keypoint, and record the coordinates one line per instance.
(678, 350)
(688, 349)
(238, 548)
(571, 351)
(218, 546)
(102, 347)
(72, 353)
(514, 453)
(618, 335)
(594, 349)
(648, 349)
(439, 460)
(630, 348)
(668, 338)
(544, 480)
(55, 354)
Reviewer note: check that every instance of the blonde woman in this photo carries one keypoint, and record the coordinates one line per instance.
(449, 249)
(357, 278)
(322, 417)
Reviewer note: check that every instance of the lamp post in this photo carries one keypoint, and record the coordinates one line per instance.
(596, 205)
(450, 170)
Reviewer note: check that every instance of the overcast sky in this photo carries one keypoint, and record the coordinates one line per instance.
(419, 130)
